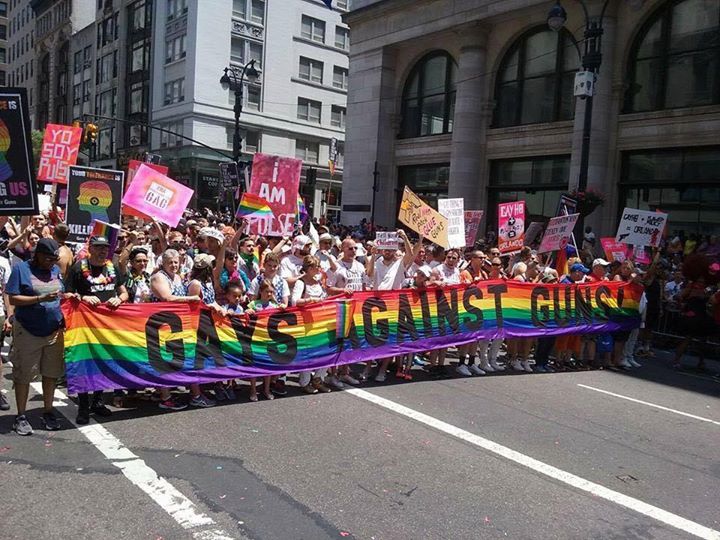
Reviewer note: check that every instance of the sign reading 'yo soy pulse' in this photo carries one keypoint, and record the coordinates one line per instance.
(422, 219)
(60, 148)
(171, 344)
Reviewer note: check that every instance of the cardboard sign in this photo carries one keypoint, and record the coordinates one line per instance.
(533, 232)
(422, 219)
(387, 240)
(59, 151)
(566, 205)
(277, 180)
(229, 175)
(641, 227)
(454, 211)
(472, 225)
(511, 227)
(157, 196)
(133, 167)
(557, 233)
(639, 255)
(18, 188)
(614, 251)
(93, 194)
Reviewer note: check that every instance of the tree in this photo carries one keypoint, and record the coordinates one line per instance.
(36, 136)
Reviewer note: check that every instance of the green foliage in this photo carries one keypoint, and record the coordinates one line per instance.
(37, 139)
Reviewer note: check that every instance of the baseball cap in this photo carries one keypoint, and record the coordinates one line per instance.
(99, 241)
(211, 232)
(301, 241)
(203, 260)
(425, 270)
(579, 267)
(326, 237)
(47, 246)
(600, 262)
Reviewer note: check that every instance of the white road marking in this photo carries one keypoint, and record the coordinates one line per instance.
(543, 468)
(165, 495)
(675, 411)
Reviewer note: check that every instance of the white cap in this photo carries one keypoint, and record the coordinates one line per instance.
(301, 241)
(212, 232)
(600, 262)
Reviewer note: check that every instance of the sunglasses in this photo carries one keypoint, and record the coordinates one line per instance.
(178, 245)
(496, 264)
(452, 258)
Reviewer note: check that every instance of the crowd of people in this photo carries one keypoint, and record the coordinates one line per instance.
(207, 258)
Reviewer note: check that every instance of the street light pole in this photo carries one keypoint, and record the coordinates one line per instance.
(375, 189)
(232, 80)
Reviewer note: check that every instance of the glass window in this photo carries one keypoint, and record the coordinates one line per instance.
(312, 28)
(429, 96)
(308, 151)
(311, 70)
(676, 58)
(240, 8)
(309, 110)
(175, 49)
(175, 91)
(337, 116)
(536, 79)
(257, 11)
(340, 77)
(252, 100)
(342, 38)
(430, 182)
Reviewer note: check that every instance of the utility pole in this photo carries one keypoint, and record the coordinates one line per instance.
(375, 189)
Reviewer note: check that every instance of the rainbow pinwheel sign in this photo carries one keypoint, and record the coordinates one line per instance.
(18, 191)
(93, 194)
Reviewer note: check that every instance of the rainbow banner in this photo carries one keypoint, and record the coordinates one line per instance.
(252, 205)
(171, 344)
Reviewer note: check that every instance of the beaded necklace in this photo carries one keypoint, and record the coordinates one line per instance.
(102, 279)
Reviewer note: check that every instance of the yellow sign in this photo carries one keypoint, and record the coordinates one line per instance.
(422, 219)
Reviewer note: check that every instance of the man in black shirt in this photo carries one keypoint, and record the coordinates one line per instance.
(97, 281)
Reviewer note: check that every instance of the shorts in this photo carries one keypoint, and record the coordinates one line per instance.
(32, 354)
(568, 342)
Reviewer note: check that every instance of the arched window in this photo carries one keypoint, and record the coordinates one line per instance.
(676, 58)
(429, 96)
(536, 78)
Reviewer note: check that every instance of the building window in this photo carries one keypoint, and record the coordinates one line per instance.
(106, 68)
(341, 4)
(107, 31)
(342, 38)
(77, 62)
(311, 70)
(105, 103)
(340, 77)
(175, 91)
(3, 76)
(174, 138)
(3, 9)
(250, 142)
(105, 147)
(87, 57)
(176, 8)
(140, 60)
(539, 181)
(337, 116)
(138, 98)
(536, 78)
(252, 97)
(3, 31)
(3, 56)
(429, 181)
(308, 151)
(175, 49)
(86, 91)
(683, 182)
(313, 29)
(139, 15)
(676, 58)
(244, 50)
(309, 110)
(256, 9)
(428, 103)
(240, 8)
(77, 94)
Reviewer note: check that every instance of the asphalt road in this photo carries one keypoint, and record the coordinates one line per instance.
(501, 456)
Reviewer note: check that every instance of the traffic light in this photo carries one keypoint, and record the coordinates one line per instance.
(91, 132)
(77, 123)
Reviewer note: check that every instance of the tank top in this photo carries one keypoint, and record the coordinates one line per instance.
(177, 288)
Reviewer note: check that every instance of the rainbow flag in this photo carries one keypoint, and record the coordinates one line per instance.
(135, 346)
(109, 231)
(252, 205)
(302, 213)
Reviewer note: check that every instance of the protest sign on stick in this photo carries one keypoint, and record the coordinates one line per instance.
(157, 196)
(472, 226)
(641, 227)
(614, 251)
(387, 240)
(277, 180)
(93, 194)
(59, 151)
(454, 211)
(557, 233)
(422, 219)
(511, 227)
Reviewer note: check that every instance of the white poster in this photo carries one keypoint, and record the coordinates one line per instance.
(454, 211)
(387, 240)
(641, 227)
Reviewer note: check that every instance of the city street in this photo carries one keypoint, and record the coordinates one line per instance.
(576, 455)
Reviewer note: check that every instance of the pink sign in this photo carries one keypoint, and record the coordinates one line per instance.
(557, 233)
(277, 180)
(472, 226)
(59, 151)
(133, 167)
(157, 196)
(511, 227)
(614, 251)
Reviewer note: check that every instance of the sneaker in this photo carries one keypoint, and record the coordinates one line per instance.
(319, 386)
(4, 404)
(220, 392)
(349, 379)
(485, 365)
(633, 362)
(496, 366)
(516, 366)
(463, 370)
(50, 421)
(278, 388)
(542, 369)
(202, 402)
(83, 416)
(526, 366)
(475, 370)
(380, 377)
(419, 360)
(172, 405)
(230, 393)
(100, 409)
(309, 389)
(624, 364)
(334, 382)
(21, 426)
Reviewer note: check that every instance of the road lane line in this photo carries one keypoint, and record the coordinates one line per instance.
(570, 479)
(675, 411)
(165, 495)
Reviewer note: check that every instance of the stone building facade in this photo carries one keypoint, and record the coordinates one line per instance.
(474, 99)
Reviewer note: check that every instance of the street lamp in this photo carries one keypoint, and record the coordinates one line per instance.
(233, 81)
(591, 60)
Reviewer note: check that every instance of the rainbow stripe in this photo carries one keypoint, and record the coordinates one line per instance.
(6, 171)
(140, 345)
(252, 205)
(111, 232)
(302, 213)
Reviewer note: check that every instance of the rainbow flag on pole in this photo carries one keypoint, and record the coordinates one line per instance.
(301, 210)
(109, 231)
(252, 205)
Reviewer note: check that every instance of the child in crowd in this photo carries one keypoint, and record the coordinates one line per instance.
(265, 300)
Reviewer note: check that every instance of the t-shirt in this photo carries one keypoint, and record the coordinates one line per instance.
(43, 318)
(349, 275)
(449, 275)
(290, 267)
(280, 286)
(388, 277)
(4, 276)
(77, 282)
(303, 290)
(259, 305)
